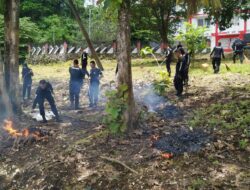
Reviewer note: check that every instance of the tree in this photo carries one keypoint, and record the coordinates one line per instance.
(165, 14)
(124, 77)
(11, 61)
(85, 34)
(124, 60)
(193, 37)
(193, 6)
(229, 8)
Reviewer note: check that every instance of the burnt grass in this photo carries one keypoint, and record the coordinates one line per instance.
(203, 157)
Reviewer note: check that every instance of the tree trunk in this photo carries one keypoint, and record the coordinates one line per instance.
(85, 34)
(124, 61)
(11, 61)
(6, 110)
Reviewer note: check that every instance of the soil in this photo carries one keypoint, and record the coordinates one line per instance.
(71, 158)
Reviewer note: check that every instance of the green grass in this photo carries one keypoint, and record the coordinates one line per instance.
(142, 69)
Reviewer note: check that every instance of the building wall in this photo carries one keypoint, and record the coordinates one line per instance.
(226, 37)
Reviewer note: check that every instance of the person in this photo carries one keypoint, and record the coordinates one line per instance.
(84, 59)
(27, 75)
(181, 70)
(45, 91)
(186, 69)
(238, 48)
(216, 55)
(169, 59)
(76, 80)
(95, 75)
(179, 45)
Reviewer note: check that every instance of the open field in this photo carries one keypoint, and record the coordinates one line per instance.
(214, 112)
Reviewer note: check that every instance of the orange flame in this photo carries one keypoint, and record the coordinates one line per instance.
(8, 126)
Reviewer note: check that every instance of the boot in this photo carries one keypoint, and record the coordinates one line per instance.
(58, 119)
(44, 119)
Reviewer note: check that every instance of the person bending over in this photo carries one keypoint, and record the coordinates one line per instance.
(45, 91)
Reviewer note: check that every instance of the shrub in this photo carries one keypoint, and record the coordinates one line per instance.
(115, 109)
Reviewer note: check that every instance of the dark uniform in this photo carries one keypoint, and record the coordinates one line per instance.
(181, 75)
(41, 95)
(238, 48)
(94, 86)
(27, 81)
(169, 59)
(76, 80)
(84, 60)
(217, 53)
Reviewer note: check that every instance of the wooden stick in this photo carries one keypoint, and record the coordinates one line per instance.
(119, 162)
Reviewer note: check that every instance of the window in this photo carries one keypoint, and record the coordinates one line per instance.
(200, 22)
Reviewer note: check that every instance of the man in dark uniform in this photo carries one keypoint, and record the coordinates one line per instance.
(45, 91)
(95, 74)
(216, 55)
(169, 59)
(84, 59)
(27, 80)
(181, 70)
(76, 80)
(238, 48)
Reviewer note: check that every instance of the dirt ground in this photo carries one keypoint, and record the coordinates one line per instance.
(77, 153)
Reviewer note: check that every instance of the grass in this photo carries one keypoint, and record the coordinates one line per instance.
(142, 69)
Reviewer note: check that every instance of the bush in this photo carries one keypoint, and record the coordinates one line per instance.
(115, 108)
(161, 83)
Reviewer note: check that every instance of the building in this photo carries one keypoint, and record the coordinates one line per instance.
(90, 2)
(239, 29)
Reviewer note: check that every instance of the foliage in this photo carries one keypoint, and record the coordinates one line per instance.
(229, 8)
(57, 29)
(29, 32)
(193, 6)
(115, 108)
(146, 51)
(197, 184)
(101, 32)
(154, 20)
(162, 83)
(193, 37)
(243, 144)
(233, 115)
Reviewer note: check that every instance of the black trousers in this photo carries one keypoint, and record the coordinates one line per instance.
(168, 63)
(216, 64)
(241, 56)
(50, 99)
(26, 89)
(178, 84)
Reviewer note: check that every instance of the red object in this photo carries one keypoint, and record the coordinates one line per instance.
(167, 155)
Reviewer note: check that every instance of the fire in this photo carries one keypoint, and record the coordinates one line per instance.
(8, 127)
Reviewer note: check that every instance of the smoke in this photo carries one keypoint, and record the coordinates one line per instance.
(145, 94)
(5, 105)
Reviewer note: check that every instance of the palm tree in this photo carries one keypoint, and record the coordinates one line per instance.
(194, 5)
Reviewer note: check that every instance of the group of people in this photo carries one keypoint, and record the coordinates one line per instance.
(77, 75)
(183, 61)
